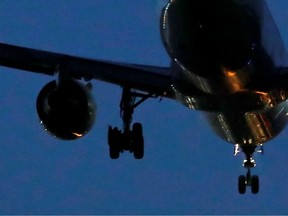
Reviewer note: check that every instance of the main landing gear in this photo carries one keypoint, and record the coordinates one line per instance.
(128, 139)
(249, 163)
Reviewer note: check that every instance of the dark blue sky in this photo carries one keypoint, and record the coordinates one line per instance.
(186, 170)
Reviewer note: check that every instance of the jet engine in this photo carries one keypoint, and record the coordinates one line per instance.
(227, 34)
(66, 110)
(216, 44)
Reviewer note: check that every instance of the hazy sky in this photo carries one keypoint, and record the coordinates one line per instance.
(186, 169)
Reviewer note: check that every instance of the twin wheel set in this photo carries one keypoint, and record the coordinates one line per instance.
(128, 139)
(132, 141)
(248, 180)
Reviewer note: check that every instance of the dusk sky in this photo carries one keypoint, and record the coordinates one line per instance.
(187, 169)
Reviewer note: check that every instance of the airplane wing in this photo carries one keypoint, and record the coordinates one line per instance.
(151, 79)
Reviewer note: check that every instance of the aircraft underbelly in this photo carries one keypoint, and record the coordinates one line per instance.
(252, 127)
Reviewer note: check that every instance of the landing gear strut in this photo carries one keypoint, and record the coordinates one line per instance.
(248, 180)
(127, 139)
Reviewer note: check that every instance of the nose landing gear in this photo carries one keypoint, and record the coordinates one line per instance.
(249, 180)
(127, 139)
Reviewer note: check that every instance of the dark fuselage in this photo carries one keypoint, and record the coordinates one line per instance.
(227, 59)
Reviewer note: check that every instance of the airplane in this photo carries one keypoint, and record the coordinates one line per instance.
(227, 60)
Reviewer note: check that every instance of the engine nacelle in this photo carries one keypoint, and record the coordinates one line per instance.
(215, 44)
(67, 110)
(203, 35)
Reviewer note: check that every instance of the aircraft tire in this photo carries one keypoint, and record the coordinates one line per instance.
(242, 184)
(138, 141)
(112, 141)
(255, 184)
(114, 152)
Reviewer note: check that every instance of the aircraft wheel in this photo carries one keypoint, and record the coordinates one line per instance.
(114, 152)
(113, 138)
(255, 184)
(138, 141)
(242, 184)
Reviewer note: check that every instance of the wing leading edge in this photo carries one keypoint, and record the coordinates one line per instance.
(151, 79)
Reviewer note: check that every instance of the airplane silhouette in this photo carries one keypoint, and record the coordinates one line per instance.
(227, 59)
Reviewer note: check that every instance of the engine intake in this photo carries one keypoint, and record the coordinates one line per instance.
(67, 110)
(204, 35)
